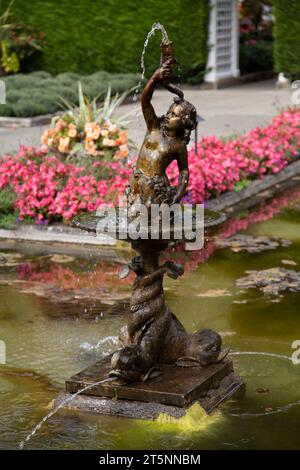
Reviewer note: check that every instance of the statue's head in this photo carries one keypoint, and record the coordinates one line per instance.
(126, 364)
(204, 346)
(181, 118)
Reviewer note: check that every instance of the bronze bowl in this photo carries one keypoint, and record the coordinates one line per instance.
(90, 223)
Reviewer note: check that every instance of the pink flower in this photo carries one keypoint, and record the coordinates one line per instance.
(46, 188)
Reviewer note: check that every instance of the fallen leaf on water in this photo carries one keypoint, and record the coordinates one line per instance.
(50, 405)
(214, 293)
(227, 333)
(268, 410)
(251, 244)
(272, 281)
(10, 259)
(262, 390)
(289, 262)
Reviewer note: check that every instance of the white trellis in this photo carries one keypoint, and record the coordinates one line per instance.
(223, 41)
(2, 92)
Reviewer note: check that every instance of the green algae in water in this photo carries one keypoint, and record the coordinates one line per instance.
(48, 341)
(195, 419)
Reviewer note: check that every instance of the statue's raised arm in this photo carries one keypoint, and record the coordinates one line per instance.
(166, 140)
(161, 75)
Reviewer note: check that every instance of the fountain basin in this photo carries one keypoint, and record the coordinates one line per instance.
(117, 226)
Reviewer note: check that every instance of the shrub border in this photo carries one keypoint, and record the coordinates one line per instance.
(66, 239)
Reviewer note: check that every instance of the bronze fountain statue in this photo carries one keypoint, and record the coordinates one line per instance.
(154, 338)
(153, 333)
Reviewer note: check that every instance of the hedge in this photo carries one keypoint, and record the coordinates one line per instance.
(256, 57)
(287, 37)
(39, 93)
(87, 35)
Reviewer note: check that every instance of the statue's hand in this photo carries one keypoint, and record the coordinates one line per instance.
(164, 72)
(173, 269)
(136, 264)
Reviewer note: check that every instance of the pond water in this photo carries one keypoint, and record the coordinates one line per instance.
(58, 314)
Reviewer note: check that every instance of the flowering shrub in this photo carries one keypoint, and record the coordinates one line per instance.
(47, 188)
(89, 129)
(221, 166)
(96, 140)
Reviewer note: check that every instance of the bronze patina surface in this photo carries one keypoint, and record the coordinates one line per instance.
(157, 360)
(166, 140)
(153, 333)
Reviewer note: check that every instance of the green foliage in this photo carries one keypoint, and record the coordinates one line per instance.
(7, 200)
(84, 36)
(6, 110)
(8, 214)
(239, 185)
(18, 42)
(90, 111)
(286, 33)
(40, 74)
(8, 221)
(256, 57)
(40, 93)
(9, 60)
(26, 108)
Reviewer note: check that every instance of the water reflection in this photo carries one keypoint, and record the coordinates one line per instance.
(59, 314)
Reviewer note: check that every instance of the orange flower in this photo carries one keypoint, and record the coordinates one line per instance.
(109, 143)
(124, 151)
(104, 133)
(45, 137)
(90, 147)
(112, 128)
(123, 137)
(63, 146)
(60, 125)
(72, 130)
(92, 130)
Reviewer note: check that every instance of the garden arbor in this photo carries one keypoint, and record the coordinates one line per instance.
(223, 41)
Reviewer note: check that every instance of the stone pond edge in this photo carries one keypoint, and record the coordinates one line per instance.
(59, 237)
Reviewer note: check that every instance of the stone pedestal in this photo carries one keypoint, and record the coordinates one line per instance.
(173, 392)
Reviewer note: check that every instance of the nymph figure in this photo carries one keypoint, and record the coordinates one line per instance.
(166, 140)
